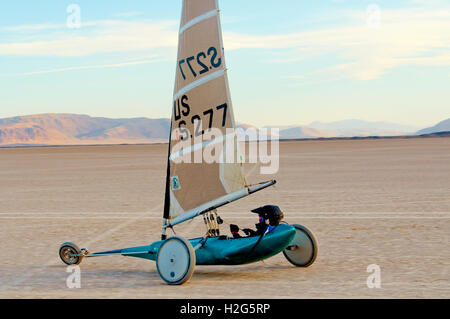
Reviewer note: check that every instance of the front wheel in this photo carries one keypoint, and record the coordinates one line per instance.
(176, 260)
(70, 254)
(302, 252)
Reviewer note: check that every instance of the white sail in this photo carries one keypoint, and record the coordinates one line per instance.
(201, 105)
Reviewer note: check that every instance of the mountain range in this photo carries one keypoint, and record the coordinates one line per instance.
(71, 129)
(74, 129)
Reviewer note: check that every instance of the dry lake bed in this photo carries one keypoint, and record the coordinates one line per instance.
(378, 201)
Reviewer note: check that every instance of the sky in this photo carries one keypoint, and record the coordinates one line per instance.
(290, 62)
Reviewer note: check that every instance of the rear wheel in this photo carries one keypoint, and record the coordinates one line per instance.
(176, 260)
(303, 250)
(70, 254)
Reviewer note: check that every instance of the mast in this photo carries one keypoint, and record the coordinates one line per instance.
(167, 190)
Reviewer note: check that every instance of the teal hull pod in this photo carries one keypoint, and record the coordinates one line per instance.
(226, 251)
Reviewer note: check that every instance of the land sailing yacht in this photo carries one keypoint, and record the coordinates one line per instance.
(201, 104)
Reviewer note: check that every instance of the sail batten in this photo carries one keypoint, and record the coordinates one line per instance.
(200, 146)
(207, 15)
(198, 82)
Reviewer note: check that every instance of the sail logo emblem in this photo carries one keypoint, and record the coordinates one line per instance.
(175, 183)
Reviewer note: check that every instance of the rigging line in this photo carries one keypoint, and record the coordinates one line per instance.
(208, 223)
(213, 225)
(256, 245)
(173, 230)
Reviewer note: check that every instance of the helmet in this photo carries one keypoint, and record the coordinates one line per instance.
(234, 228)
(271, 213)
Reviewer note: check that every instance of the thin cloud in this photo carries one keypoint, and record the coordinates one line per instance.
(129, 14)
(405, 37)
(32, 27)
(91, 67)
(103, 37)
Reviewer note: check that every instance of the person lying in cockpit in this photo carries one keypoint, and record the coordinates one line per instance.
(269, 217)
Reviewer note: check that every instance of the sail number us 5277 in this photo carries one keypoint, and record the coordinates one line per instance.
(182, 111)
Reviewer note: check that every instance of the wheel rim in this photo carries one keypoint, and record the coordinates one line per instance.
(173, 261)
(68, 255)
(304, 250)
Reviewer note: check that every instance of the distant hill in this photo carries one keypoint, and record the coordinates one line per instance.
(302, 132)
(70, 129)
(288, 132)
(443, 126)
(347, 128)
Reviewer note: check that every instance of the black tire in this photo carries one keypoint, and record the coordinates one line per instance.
(304, 248)
(67, 252)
